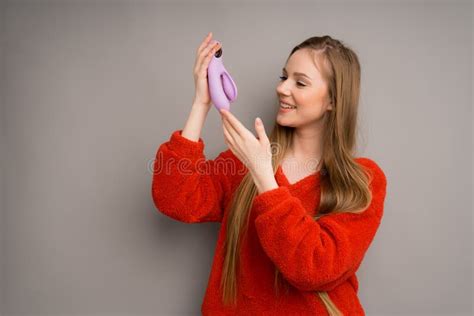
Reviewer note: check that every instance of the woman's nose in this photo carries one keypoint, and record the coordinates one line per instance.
(281, 89)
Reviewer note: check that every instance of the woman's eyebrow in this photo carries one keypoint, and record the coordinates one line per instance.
(299, 74)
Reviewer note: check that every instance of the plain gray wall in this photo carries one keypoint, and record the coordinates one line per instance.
(91, 89)
(2, 154)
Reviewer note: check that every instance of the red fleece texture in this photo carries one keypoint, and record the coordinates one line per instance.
(311, 255)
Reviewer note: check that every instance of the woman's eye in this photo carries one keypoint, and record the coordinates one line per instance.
(298, 83)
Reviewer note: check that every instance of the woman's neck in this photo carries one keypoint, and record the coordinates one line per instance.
(307, 144)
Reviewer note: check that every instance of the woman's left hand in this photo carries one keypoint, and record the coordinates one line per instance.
(254, 152)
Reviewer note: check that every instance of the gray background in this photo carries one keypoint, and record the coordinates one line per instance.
(89, 90)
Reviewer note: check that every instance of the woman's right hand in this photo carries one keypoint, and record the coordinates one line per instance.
(206, 50)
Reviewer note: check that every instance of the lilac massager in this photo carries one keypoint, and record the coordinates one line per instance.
(222, 88)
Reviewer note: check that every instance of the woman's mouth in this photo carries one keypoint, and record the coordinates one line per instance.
(286, 107)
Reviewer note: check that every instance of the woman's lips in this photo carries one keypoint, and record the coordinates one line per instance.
(282, 101)
(285, 107)
(283, 110)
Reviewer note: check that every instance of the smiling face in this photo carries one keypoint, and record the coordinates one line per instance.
(308, 93)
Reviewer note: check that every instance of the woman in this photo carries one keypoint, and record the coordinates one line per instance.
(298, 209)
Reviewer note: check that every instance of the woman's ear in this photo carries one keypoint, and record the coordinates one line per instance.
(329, 103)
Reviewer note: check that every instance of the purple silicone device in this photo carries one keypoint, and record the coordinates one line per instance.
(222, 88)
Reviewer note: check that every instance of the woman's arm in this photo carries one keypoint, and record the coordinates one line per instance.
(197, 117)
(317, 255)
(186, 186)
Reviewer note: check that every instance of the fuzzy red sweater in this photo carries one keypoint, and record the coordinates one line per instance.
(311, 255)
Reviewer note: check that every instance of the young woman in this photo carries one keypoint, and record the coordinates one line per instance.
(298, 209)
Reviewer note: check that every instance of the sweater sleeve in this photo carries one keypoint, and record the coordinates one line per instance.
(186, 186)
(317, 255)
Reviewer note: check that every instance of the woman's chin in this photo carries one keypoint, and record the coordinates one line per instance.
(283, 121)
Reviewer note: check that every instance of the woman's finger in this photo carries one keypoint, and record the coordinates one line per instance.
(233, 137)
(238, 127)
(228, 131)
(234, 141)
(205, 42)
(262, 135)
(206, 51)
(230, 142)
(227, 136)
(205, 57)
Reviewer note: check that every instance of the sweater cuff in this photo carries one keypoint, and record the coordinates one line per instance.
(184, 147)
(268, 199)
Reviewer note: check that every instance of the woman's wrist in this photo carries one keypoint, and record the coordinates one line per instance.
(197, 117)
(264, 181)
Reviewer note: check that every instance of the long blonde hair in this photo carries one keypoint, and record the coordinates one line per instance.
(344, 183)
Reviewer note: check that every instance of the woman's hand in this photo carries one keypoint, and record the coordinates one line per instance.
(204, 53)
(254, 152)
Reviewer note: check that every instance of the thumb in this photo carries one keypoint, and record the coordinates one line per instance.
(260, 130)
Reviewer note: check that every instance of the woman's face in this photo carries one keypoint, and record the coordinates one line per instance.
(308, 93)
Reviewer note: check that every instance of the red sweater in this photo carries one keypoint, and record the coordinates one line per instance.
(311, 255)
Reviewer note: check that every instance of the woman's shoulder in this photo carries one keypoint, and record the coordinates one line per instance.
(368, 162)
(374, 167)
